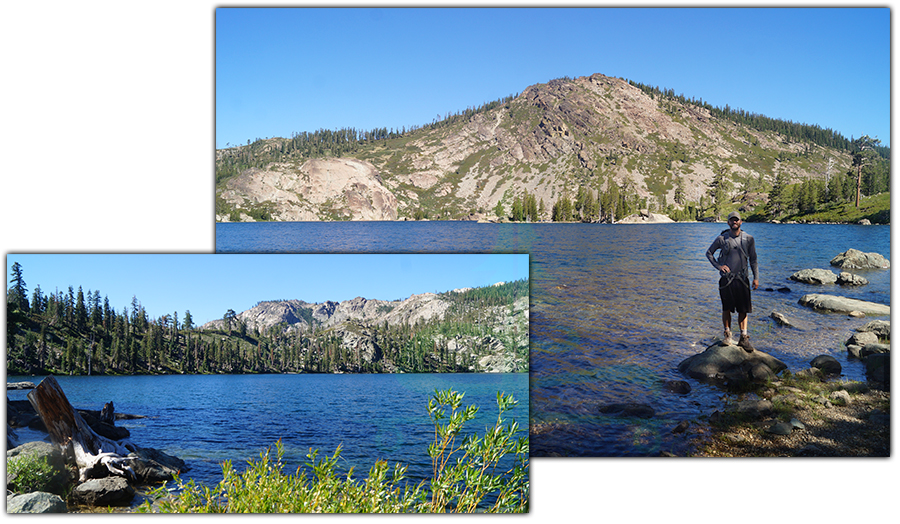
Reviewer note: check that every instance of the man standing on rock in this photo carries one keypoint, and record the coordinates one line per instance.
(736, 249)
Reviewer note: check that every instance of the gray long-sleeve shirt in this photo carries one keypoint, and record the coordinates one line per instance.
(734, 252)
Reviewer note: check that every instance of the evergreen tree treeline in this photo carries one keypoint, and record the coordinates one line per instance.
(74, 332)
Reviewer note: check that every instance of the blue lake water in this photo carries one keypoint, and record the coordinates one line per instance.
(206, 419)
(615, 308)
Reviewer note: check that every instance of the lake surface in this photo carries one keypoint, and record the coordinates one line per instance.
(615, 308)
(206, 419)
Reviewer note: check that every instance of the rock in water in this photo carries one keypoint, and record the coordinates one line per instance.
(856, 259)
(827, 364)
(731, 363)
(834, 304)
(849, 279)
(815, 276)
(629, 409)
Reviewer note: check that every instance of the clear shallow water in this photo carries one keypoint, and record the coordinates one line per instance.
(206, 419)
(615, 308)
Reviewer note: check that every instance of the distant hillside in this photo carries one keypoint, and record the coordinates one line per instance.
(597, 147)
(467, 330)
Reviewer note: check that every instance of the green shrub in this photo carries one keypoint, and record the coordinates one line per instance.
(471, 482)
(30, 473)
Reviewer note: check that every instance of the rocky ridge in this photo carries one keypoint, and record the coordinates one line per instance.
(548, 141)
(356, 321)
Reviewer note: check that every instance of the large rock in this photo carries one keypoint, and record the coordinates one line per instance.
(108, 491)
(849, 279)
(731, 364)
(40, 450)
(878, 369)
(856, 259)
(152, 465)
(835, 304)
(36, 502)
(814, 276)
(827, 364)
(882, 328)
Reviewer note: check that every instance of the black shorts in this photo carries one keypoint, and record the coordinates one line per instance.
(735, 294)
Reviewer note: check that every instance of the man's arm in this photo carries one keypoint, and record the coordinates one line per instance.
(751, 255)
(710, 254)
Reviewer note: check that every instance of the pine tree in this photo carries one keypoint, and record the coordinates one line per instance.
(17, 293)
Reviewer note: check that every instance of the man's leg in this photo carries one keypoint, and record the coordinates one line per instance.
(726, 322)
(744, 341)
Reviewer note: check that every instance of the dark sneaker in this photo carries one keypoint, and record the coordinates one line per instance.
(744, 342)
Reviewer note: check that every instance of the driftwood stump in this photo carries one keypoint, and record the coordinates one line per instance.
(93, 453)
(107, 414)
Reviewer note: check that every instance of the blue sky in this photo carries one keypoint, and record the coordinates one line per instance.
(209, 285)
(280, 71)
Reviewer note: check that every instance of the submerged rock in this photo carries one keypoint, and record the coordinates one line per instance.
(628, 409)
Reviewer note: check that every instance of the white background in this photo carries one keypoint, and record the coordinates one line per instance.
(107, 146)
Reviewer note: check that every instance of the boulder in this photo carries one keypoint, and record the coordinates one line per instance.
(849, 279)
(856, 259)
(678, 386)
(731, 364)
(753, 408)
(36, 502)
(827, 364)
(42, 451)
(840, 397)
(862, 338)
(19, 385)
(781, 319)
(152, 465)
(835, 304)
(108, 491)
(882, 328)
(878, 369)
(814, 276)
(873, 349)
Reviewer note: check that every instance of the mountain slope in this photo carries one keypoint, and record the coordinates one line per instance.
(480, 330)
(549, 141)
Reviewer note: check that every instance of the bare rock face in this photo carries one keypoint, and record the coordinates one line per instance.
(320, 189)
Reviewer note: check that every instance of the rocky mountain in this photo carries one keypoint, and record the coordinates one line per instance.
(549, 141)
(473, 333)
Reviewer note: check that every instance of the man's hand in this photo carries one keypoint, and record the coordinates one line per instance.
(755, 283)
(725, 269)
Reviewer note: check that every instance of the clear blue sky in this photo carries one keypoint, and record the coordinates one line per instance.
(280, 71)
(209, 285)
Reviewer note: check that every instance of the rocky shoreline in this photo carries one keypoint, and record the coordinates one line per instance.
(61, 487)
(811, 412)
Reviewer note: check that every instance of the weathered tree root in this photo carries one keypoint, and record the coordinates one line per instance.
(95, 456)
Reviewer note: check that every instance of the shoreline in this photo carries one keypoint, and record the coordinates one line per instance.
(837, 418)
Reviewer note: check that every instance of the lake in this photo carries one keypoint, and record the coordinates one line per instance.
(206, 419)
(615, 308)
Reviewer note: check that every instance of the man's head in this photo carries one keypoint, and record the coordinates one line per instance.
(734, 221)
